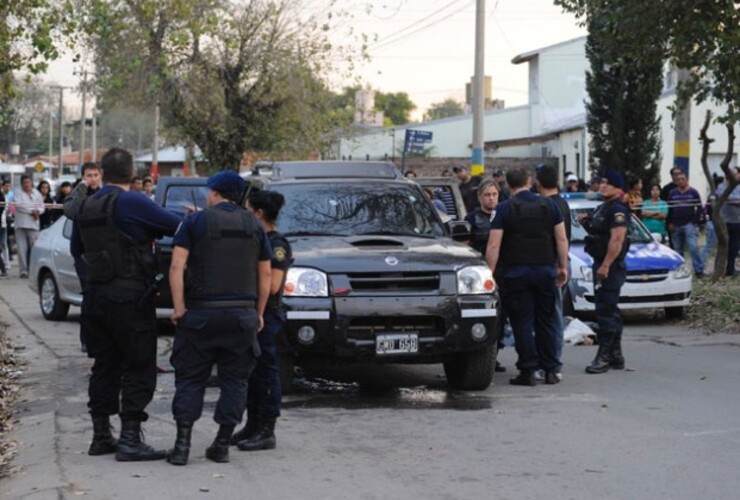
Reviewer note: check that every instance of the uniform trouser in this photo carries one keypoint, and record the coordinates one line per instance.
(123, 342)
(81, 270)
(528, 295)
(733, 231)
(264, 391)
(606, 297)
(207, 337)
(3, 249)
(25, 238)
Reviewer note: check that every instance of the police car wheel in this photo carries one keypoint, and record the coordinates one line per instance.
(471, 371)
(52, 306)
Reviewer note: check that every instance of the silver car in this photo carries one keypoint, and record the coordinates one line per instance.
(52, 271)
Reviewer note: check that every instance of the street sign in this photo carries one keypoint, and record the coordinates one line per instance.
(414, 143)
(39, 167)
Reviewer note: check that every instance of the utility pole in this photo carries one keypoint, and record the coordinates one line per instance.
(82, 120)
(61, 128)
(51, 135)
(477, 165)
(94, 141)
(154, 170)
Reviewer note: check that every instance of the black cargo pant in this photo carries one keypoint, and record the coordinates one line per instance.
(122, 338)
(226, 338)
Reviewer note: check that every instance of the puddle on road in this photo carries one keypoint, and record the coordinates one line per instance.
(322, 393)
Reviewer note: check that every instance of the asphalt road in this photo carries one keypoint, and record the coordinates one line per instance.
(667, 427)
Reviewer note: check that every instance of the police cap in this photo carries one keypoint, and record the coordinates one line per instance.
(226, 181)
(613, 177)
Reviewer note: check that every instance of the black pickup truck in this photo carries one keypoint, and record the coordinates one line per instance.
(377, 276)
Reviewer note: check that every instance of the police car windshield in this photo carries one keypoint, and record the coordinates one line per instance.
(356, 208)
(637, 232)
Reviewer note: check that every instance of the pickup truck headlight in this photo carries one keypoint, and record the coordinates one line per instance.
(681, 272)
(588, 273)
(475, 280)
(305, 282)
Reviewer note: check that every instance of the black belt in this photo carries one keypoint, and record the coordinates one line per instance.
(220, 304)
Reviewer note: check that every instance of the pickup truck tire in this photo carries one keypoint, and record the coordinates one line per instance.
(471, 371)
(51, 305)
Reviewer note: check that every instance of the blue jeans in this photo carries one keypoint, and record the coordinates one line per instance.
(529, 297)
(264, 391)
(606, 298)
(688, 234)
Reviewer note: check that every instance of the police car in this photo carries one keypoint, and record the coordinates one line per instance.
(657, 276)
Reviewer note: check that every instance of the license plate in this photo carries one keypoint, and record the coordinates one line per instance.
(397, 343)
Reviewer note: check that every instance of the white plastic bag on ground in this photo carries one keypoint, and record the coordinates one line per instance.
(578, 332)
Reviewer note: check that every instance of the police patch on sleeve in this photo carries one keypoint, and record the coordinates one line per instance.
(279, 254)
(619, 217)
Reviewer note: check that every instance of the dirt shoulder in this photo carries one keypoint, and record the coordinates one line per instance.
(715, 306)
(10, 372)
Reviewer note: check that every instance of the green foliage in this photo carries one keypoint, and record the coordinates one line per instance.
(396, 106)
(623, 92)
(444, 109)
(230, 76)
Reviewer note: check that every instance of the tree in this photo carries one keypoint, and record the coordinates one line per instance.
(702, 37)
(623, 91)
(27, 118)
(444, 109)
(30, 32)
(395, 105)
(230, 76)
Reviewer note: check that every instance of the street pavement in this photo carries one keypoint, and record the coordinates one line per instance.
(667, 427)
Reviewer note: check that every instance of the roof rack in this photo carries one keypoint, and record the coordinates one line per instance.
(328, 169)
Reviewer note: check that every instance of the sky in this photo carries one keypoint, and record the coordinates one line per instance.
(426, 47)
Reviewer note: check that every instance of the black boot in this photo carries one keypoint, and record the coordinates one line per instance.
(130, 446)
(264, 439)
(179, 453)
(525, 377)
(103, 441)
(219, 449)
(248, 431)
(600, 364)
(616, 360)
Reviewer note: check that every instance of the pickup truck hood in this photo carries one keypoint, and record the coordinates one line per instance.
(344, 254)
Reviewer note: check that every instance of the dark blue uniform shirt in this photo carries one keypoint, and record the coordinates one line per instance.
(136, 216)
(193, 228)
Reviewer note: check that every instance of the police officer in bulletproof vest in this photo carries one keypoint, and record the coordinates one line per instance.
(113, 234)
(529, 246)
(220, 282)
(265, 392)
(607, 243)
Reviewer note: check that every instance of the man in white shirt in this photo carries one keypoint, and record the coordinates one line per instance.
(29, 205)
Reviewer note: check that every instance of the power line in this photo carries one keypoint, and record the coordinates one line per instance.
(415, 28)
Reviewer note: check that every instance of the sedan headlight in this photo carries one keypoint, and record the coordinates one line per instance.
(475, 280)
(305, 282)
(588, 273)
(681, 272)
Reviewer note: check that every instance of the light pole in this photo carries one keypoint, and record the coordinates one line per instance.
(476, 164)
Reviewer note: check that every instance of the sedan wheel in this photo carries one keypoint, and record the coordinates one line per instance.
(52, 306)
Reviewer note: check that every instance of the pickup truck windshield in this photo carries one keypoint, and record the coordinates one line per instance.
(356, 209)
(180, 198)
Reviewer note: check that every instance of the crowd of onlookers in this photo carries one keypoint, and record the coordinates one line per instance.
(675, 211)
(26, 210)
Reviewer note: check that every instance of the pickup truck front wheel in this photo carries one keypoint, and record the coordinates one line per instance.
(471, 371)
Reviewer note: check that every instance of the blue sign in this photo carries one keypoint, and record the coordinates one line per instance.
(418, 136)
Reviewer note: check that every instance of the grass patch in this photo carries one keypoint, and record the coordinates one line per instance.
(715, 306)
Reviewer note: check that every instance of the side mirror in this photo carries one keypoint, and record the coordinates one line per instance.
(657, 237)
(459, 230)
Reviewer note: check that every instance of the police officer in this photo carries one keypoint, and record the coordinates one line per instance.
(608, 244)
(264, 390)
(218, 310)
(113, 234)
(480, 218)
(527, 239)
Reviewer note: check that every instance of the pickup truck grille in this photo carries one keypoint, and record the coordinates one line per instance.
(421, 282)
(367, 327)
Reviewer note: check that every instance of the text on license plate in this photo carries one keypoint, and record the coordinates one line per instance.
(397, 343)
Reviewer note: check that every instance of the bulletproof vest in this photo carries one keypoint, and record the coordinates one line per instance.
(528, 234)
(597, 241)
(223, 262)
(481, 230)
(110, 253)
